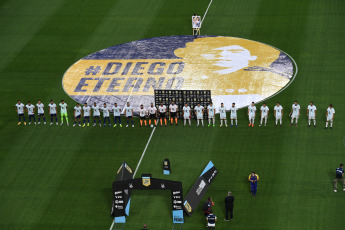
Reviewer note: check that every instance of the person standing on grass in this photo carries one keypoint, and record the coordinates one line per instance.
(339, 175)
(208, 206)
(211, 220)
(145, 227)
(229, 206)
(253, 178)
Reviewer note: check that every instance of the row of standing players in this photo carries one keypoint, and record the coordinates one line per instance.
(152, 113)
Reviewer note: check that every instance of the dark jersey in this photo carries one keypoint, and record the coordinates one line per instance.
(339, 173)
(229, 201)
(211, 219)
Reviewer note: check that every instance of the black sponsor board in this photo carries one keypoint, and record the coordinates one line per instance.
(121, 189)
(199, 189)
(180, 97)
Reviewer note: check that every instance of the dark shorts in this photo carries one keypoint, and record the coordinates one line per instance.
(53, 115)
(142, 118)
(162, 115)
(40, 114)
(173, 114)
(129, 117)
(31, 115)
(77, 116)
(86, 117)
(152, 116)
(96, 117)
(20, 114)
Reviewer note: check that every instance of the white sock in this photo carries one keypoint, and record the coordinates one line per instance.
(276, 121)
(202, 121)
(265, 120)
(184, 122)
(296, 120)
(281, 121)
(309, 121)
(209, 121)
(232, 122)
(331, 124)
(236, 121)
(261, 120)
(291, 120)
(190, 122)
(214, 121)
(253, 121)
(221, 121)
(326, 124)
(250, 120)
(314, 122)
(226, 122)
(197, 121)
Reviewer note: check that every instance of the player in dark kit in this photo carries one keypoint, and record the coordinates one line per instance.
(253, 178)
(211, 220)
(339, 175)
(229, 206)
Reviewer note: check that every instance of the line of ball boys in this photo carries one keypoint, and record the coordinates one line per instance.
(154, 114)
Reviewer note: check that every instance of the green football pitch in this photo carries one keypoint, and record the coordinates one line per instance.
(59, 177)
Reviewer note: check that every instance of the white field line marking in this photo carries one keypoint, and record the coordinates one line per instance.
(202, 20)
(112, 225)
(142, 155)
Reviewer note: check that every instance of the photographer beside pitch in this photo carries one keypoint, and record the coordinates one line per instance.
(339, 175)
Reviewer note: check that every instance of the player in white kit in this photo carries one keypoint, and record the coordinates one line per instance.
(30, 109)
(96, 114)
(142, 114)
(264, 113)
(20, 110)
(40, 111)
(63, 109)
(251, 114)
(186, 114)
(173, 108)
(295, 112)
(222, 115)
(106, 115)
(211, 114)
(278, 114)
(129, 114)
(233, 114)
(52, 112)
(199, 110)
(311, 113)
(86, 114)
(77, 114)
(330, 116)
(152, 114)
(117, 114)
(162, 109)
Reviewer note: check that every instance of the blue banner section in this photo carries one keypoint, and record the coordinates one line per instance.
(120, 219)
(127, 207)
(209, 165)
(166, 172)
(178, 217)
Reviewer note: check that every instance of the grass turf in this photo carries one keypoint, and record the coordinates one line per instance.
(60, 177)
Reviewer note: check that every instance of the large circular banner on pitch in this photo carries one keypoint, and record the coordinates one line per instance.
(234, 69)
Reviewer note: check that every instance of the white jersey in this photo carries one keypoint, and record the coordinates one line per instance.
(295, 110)
(152, 110)
(52, 108)
(116, 111)
(222, 112)
(20, 108)
(279, 110)
(77, 110)
(105, 111)
(264, 110)
(129, 112)
(330, 113)
(186, 111)
(40, 108)
(63, 107)
(96, 112)
(30, 109)
(162, 109)
(312, 110)
(173, 108)
(198, 110)
(211, 111)
(142, 112)
(86, 111)
(252, 110)
(233, 112)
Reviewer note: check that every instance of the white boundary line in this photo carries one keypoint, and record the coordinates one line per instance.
(202, 20)
(112, 225)
(143, 154)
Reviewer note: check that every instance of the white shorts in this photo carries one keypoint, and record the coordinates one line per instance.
(186, 117)
(278, 116)
(233, 117)
(211, 225)
(251, 116)
(200, 117)
(311, 117)
(329, 118)
(211, 116)
(222, 116)
(294, 116)
(264, 115)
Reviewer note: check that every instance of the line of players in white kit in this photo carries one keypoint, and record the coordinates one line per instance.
(153, 115)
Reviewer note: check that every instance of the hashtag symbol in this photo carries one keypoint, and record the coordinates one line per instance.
(93, 70)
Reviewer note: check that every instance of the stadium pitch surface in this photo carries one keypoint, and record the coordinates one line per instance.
(58, 177)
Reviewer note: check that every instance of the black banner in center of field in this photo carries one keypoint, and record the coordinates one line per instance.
(180, 97)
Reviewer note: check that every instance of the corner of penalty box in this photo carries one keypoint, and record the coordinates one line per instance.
(166, 167)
